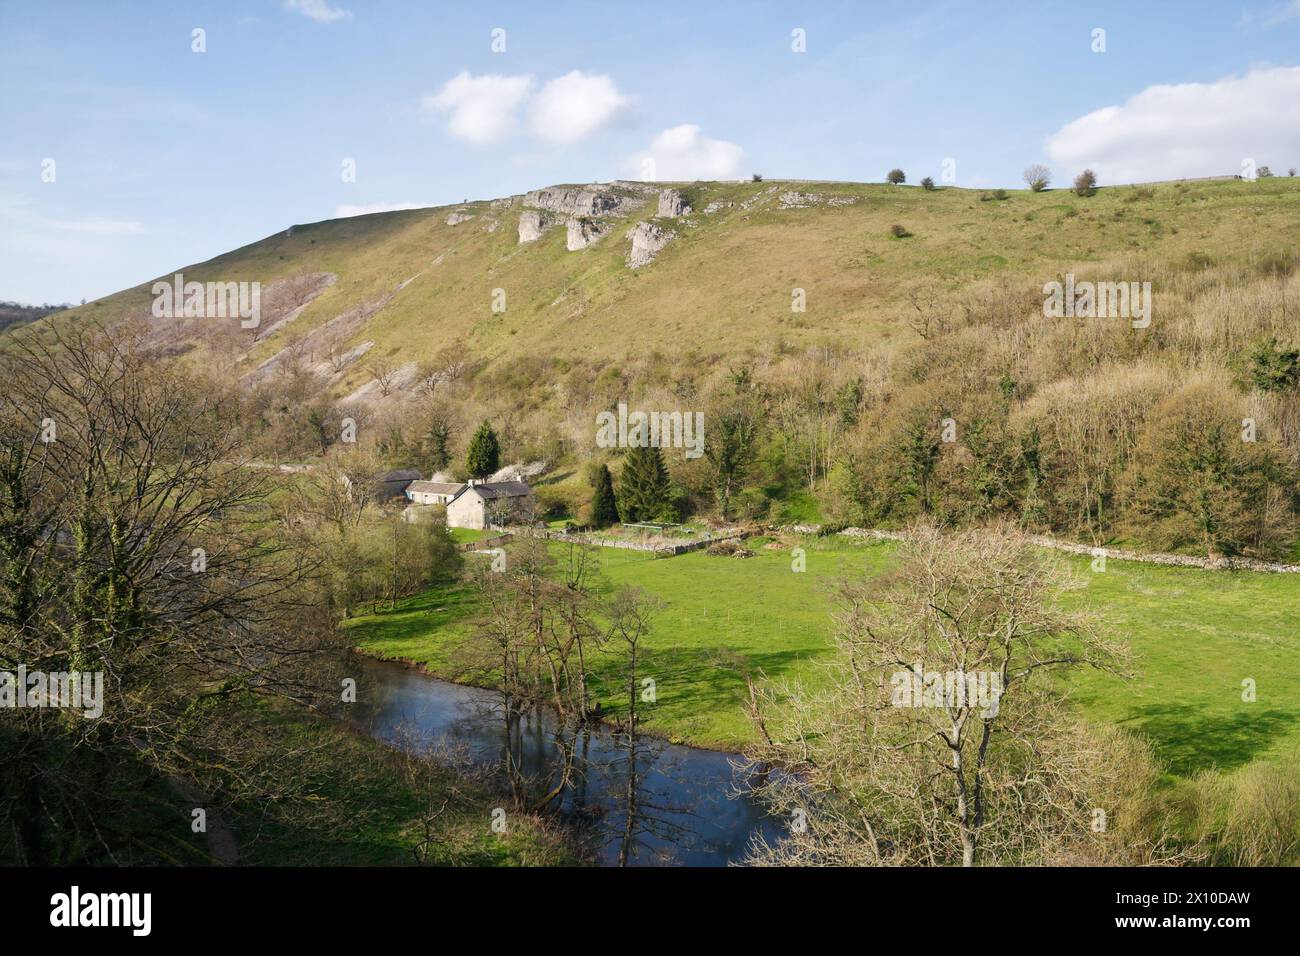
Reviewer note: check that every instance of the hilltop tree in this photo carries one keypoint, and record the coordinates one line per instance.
(604, 506)
(1085, 184)
(927, 183)
(1037, 177)
(897, 177)
(643, 485)
(484, 456)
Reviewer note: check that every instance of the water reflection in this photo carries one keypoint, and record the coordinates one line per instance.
(642, 800)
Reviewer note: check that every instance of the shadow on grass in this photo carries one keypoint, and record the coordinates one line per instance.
(1190, 740)
(416, 617)
(696, 686)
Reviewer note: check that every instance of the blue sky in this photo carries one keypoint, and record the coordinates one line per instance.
(164, 156)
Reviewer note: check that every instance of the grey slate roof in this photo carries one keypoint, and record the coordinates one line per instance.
(500, 489)
(434, 487)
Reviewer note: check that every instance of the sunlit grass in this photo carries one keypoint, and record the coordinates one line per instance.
(1195, 636)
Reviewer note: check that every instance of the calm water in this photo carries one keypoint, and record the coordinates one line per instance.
(681, 806)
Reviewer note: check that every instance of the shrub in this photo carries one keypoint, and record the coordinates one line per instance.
(1085, 184)
(565, 500)
(897, 177)
(757, 178)
(1037, 177)
(1273, 369)
(1000, 194)
(927, 183)
(899, 231)
(1249, 818)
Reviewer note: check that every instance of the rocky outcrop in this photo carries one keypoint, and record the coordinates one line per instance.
(598, 199)
(583, 232)
(648, 240)
(672, 204)
(532, 224)
(458, 217)
(715, 206)
(586, 210)
(797, 200)
(759, 197)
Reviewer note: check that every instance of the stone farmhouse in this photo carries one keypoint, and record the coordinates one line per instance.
(478, 504)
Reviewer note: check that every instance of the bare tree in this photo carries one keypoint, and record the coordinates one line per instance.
(137, 546)
(383, 370)
(931, 311)
(1037, 177)
(939, 741)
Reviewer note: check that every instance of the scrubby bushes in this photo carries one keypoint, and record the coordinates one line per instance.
(1249, 818)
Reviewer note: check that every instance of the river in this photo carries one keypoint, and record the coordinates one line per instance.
(670, 805)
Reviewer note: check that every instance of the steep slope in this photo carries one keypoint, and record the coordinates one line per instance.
(400, 286)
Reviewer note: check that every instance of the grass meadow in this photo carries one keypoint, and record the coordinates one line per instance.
(1195, 636)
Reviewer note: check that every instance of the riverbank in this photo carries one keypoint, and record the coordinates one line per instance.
(1195, 635)
(372, 802)
(682, 806)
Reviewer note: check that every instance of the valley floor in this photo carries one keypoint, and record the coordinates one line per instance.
(1196, 636)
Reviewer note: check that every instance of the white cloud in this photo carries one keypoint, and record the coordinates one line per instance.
(1187, 129)
(682, 153)
(482, 108)
(575, 105)
(318, 10)
(365, 209)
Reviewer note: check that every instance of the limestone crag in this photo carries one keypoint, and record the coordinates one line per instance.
(456, 218)
(672, 204)
(582, 209)
(598, 199)
(532, 224)
(648, 240)
(582, 232)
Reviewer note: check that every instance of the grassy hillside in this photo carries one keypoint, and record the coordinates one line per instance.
(725, 284)
(1089, 428)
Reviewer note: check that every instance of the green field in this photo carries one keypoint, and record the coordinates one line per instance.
(1195, 636)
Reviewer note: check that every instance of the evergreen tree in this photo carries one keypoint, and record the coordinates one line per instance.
(604, 507)
(484, 455)
(643, 485)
